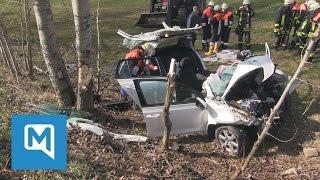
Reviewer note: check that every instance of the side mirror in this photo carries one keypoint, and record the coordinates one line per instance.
(201, 103)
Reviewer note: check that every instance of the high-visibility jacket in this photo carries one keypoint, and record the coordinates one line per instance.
(315, 20)
(136, 54)
(227, 18)
(245, 14)
(216, 23)
(283, 18)
(207, 15)
(295, 11)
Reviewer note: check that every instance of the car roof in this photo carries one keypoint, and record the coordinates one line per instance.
(158, 37)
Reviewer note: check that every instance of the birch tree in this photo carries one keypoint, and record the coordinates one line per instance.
(51, 53)
(81, 13)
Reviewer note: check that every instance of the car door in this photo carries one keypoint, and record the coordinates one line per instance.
(185, 115)
(149, 92)
(125, 76)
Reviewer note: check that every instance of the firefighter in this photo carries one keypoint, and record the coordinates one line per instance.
(306, 27)
(216, 27)
(136, 64)
(314, 9)
(135, 58)
(299, 20)
(193, 20)
(205, 22)
(226, 25)
(243, 30)
(172, 12)
(283, 20)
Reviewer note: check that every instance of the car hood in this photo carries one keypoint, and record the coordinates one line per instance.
(254, 63)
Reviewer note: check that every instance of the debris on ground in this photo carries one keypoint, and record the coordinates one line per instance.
(289, 172)
(224, 57)
(311, 152)
(96, 128)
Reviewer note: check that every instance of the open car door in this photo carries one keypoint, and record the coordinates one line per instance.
(149, 93)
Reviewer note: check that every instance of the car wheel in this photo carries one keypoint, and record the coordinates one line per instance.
(233, 139)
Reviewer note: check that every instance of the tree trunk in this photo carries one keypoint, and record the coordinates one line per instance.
(81, 14)
(98, 49)
(276, 108)
(51, 53)
(22, 34)
(168, 99)
(27, 28)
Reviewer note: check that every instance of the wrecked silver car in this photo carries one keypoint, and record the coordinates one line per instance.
(232, 104)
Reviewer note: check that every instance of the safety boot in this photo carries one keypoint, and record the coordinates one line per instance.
(216, 48)
(211, 50)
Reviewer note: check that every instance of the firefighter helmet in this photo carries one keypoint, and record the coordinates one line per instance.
(314, 6)
(309, 2)
(211, 3)
(288, 2)
(246, 2)
(224, 6)
(217, 8)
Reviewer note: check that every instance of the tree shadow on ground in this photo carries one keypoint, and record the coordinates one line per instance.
(295, 128)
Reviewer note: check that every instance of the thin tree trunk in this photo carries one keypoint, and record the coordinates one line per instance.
(81, 14)
(275, 110)
(6, 48)
(98, 49)
(168, 99)
(22, 34)
(51, 53)
(5, 58)
(29, 51)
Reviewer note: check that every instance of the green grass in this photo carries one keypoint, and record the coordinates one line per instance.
(122, 14)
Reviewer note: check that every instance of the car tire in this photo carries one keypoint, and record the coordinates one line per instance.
(233, 139)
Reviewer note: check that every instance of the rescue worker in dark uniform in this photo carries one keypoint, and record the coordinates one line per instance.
(206, 27)
(243, 30)
(216, 27)
(226, 25)
(314, 8)
(194, 19)
(283, 20)
(299, 20)
(306, 27)
(172, 15)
